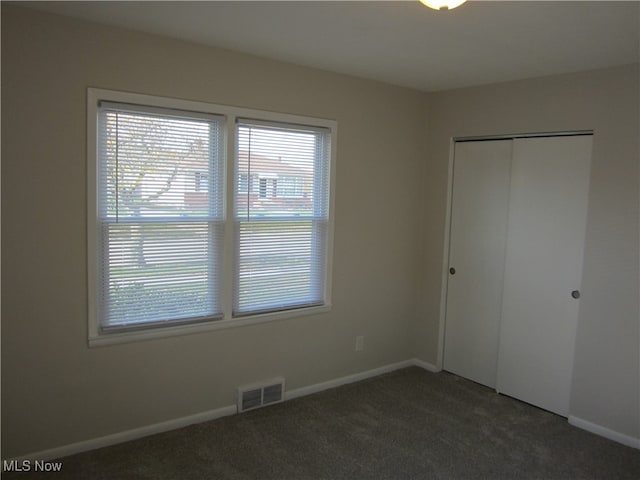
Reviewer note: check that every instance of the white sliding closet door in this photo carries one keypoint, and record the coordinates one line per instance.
(543, 269)
(476, 255)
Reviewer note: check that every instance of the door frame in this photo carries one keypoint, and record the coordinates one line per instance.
(444, 279)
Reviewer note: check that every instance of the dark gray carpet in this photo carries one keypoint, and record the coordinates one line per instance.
(409, 424)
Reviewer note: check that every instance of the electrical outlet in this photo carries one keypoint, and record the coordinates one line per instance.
(359, 343)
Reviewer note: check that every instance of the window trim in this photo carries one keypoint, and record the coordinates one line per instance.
(231, 114)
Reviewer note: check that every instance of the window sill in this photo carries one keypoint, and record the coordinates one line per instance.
(179, 330)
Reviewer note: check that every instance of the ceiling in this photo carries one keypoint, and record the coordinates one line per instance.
(398, 42)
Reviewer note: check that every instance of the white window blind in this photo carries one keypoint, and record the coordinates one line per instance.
(160, 216)
(282, 225)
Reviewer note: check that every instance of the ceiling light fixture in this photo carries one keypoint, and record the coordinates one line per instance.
(442, 4)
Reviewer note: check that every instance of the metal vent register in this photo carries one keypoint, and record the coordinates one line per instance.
(260, 395)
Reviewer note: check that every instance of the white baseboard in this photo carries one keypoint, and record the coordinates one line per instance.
(605, 432)
(128, 435)
(176, 423)
(426, 365)
(356, 377)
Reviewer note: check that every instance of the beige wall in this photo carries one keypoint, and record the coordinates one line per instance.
(55, 390)
(605, 385)
(390, 210)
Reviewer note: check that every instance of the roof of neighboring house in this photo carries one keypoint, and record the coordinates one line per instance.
(263, 165)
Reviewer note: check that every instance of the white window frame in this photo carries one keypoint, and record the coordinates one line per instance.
(94, 97)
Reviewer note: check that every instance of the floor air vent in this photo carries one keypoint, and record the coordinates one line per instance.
(260, 395)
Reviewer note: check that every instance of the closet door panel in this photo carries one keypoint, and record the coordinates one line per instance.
(476, 252)
(543, 266)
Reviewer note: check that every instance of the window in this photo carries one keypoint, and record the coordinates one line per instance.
(159, 260)
(201, 181)
(268, 187)
(173, 247)
(290, 186)
(243, 183)
(280, 257)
